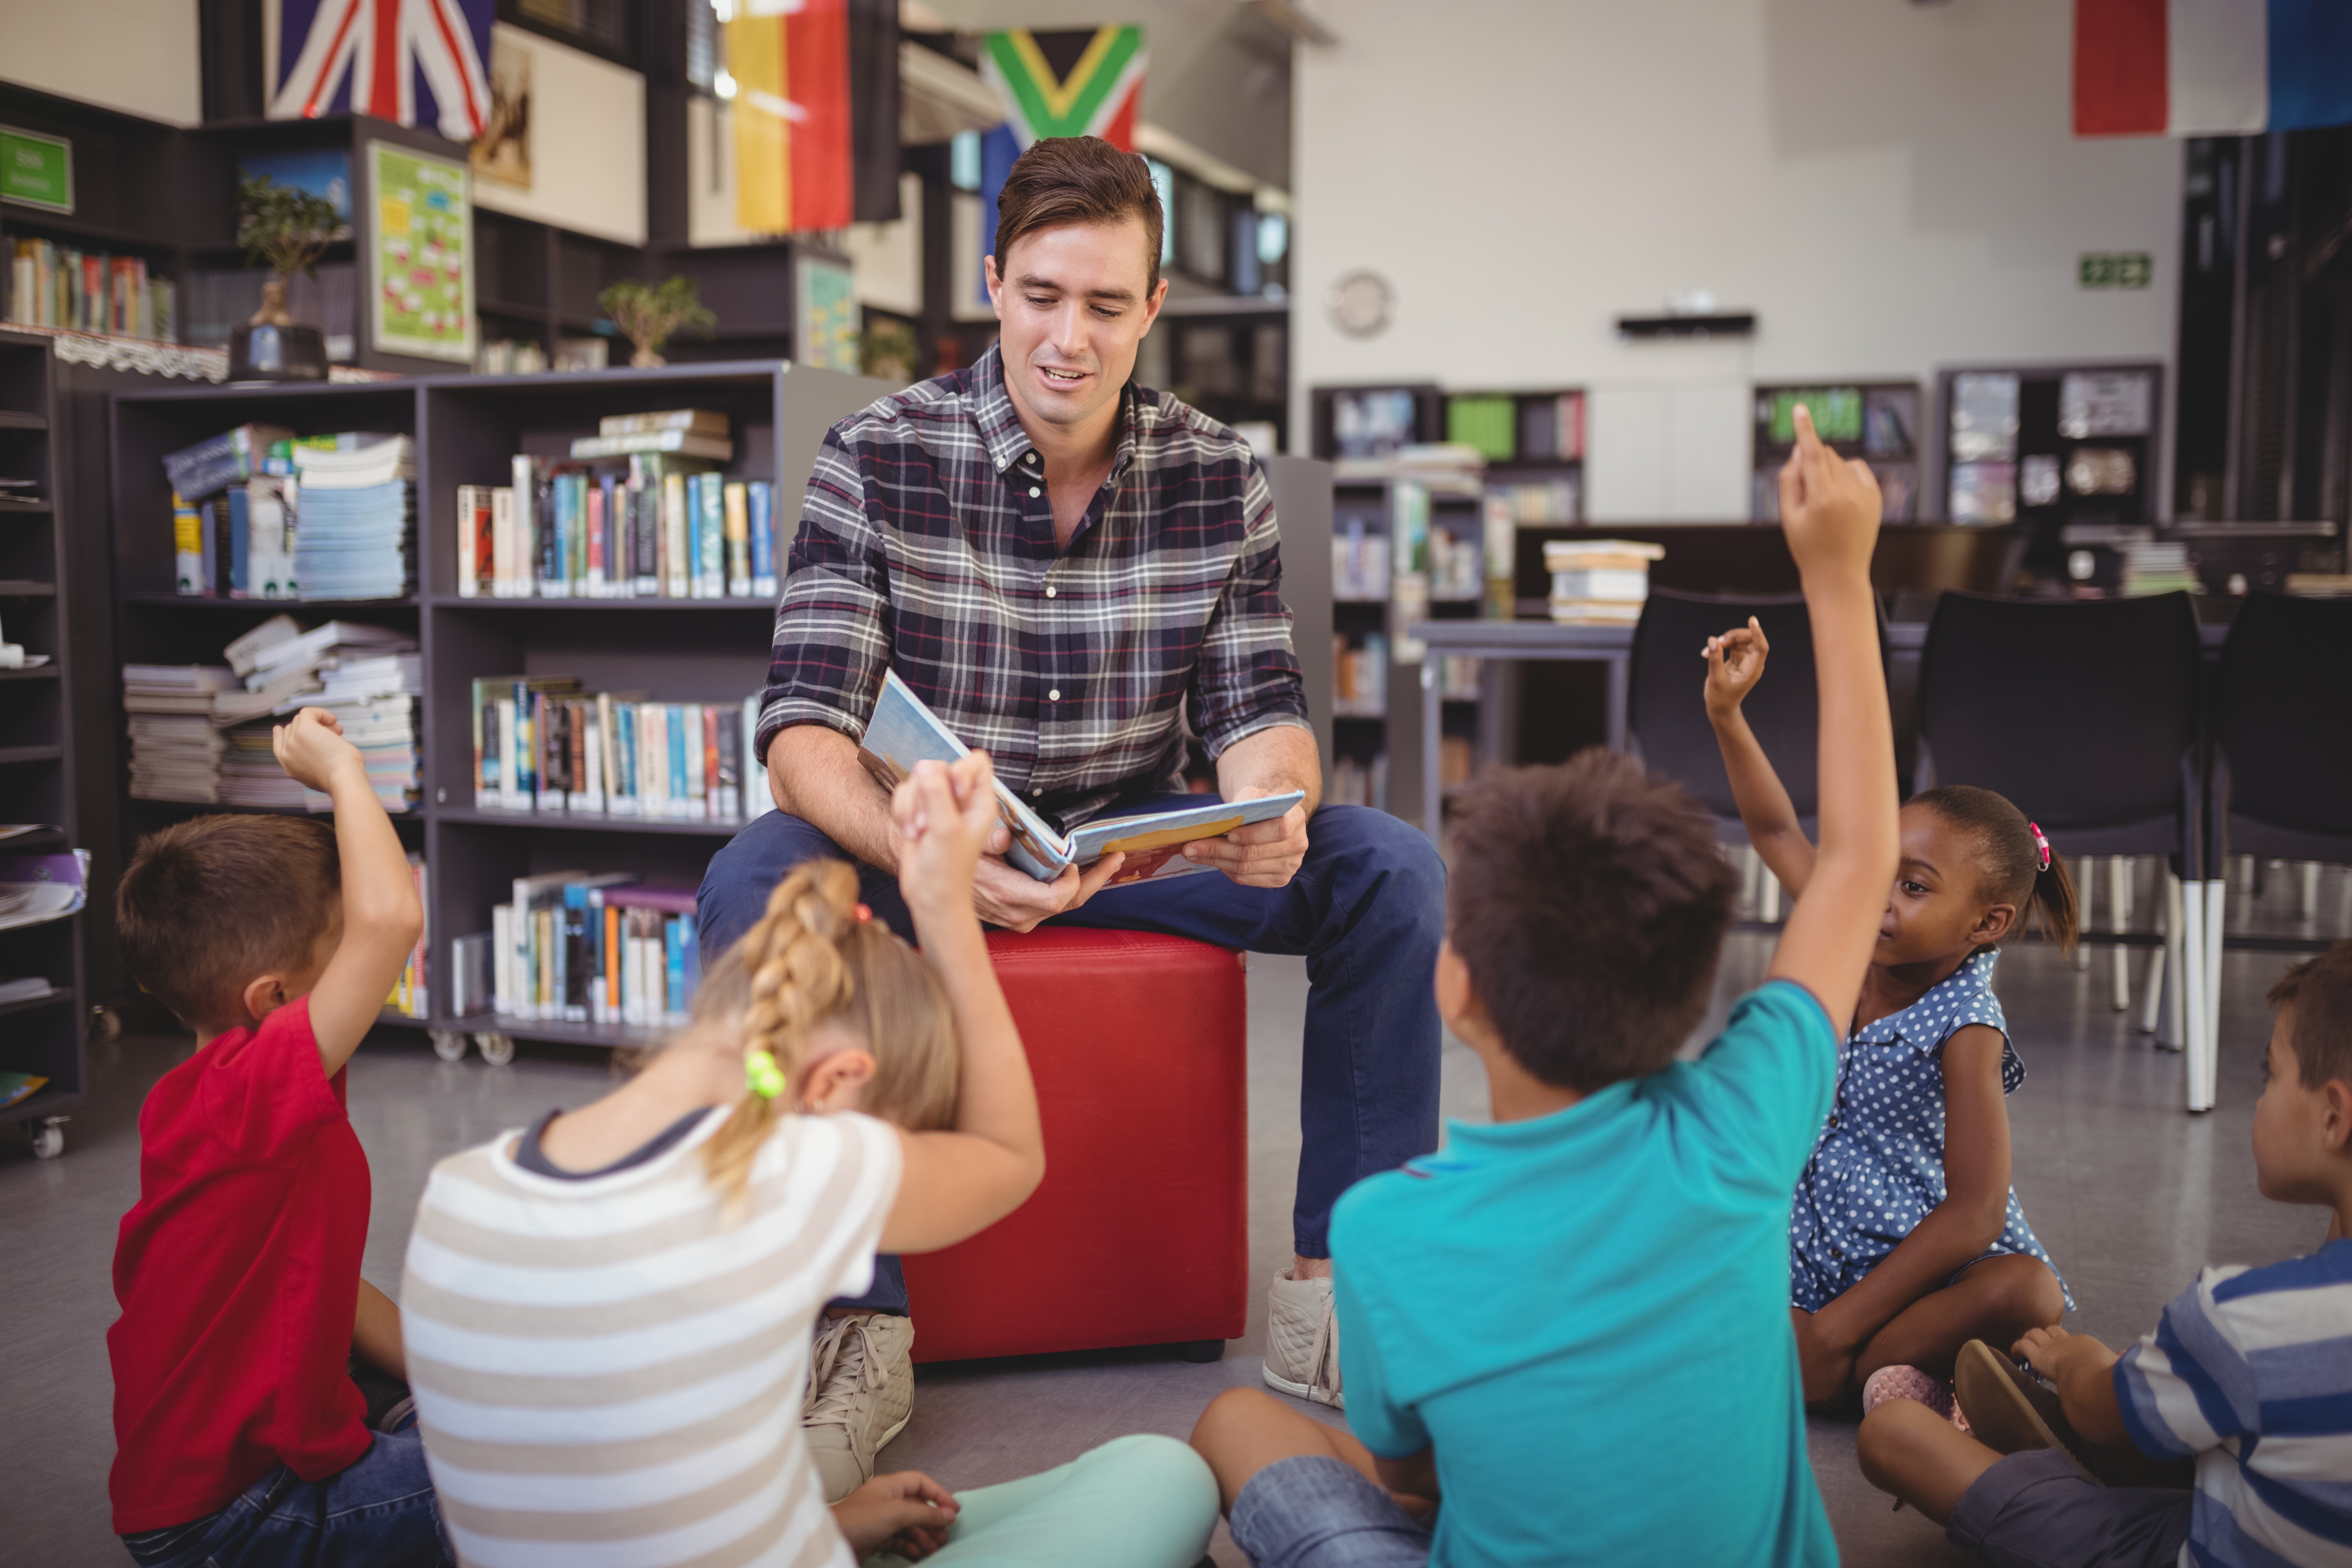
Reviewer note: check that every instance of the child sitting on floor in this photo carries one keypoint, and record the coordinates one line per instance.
(1573, 1323)
(609, 1316)
(2247, 1373)
(1906, 1240)
(241, 1436)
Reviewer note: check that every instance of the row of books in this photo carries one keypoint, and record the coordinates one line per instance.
(542, 744)
(259, 513)
(52, 285)
(412, 996)
(1360, 676)
(569, 946)
(650, 527)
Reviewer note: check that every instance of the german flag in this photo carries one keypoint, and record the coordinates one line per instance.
(794, 166)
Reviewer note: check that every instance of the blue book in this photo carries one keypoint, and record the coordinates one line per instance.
(526, 749)
(673, 964)
(240, 543)
(694, 536)
(625, 720)
(675, 726)
(688, 939)
(904, 731)
(764, 539)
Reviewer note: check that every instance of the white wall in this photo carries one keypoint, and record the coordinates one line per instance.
(137, 56)
(587, 142)
(1892, 187)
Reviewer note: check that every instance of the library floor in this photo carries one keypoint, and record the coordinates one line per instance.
(2129, 1192)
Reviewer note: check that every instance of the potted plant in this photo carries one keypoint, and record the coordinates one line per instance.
(649, 315)
(290, 229)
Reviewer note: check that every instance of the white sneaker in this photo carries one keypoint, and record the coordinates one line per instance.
(1302, 1341)
(861, 1394)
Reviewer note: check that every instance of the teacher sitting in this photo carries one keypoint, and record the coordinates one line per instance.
(1066, 566)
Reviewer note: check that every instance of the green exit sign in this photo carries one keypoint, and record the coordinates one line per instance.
(2116, 269)
(35, 170)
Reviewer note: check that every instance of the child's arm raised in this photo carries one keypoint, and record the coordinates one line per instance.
(382, 918)
(1829, 508)
(960, 1181)
(1735, 663)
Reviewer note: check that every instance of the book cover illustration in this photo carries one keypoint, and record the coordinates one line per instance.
(904, 731)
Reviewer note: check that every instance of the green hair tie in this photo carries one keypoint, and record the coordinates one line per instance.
(761, 1076)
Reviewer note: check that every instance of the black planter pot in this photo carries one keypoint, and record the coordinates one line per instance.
(277, 353)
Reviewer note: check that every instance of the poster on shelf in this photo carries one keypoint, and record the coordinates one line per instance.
(825, 326)
(420, 255)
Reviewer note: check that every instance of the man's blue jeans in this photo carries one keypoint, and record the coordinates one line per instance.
(1367, 909)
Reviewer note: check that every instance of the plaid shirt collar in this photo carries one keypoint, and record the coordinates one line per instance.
(999, 421)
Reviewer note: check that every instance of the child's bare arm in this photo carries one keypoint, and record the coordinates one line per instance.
(1829, 511)
(375, 1333)
(1735, 663)
(2083, 1370)
(381, 917)
(960, 1181)
(1416, 1476)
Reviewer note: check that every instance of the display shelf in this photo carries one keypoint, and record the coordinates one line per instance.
(13, 419)
(9, 508)
(46, 672)
(468, 430)
(61, 998)
(25, 588)
(31, 754)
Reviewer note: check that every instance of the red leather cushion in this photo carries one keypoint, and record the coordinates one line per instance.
(1139, 1233)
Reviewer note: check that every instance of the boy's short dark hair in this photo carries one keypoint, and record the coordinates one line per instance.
(208, 904)
(2320, 991)
(1590, 902)
(1077, 179)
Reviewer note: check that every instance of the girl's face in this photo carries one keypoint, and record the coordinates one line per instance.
(1938, 909)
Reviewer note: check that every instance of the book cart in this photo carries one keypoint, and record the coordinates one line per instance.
(466, 430)
(43, 1036)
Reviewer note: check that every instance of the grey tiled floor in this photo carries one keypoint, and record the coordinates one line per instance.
(2130, 1195)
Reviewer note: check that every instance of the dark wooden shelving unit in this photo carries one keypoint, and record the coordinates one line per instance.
(45, 1034)
(468, 430)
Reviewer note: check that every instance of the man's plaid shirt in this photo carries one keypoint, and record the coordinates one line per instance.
(926, 545)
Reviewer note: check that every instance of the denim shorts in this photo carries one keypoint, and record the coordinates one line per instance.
(2035, 1510)
(1314, 1512)
(378, 1512)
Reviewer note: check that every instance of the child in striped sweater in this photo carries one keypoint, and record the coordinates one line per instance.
(608, 1317)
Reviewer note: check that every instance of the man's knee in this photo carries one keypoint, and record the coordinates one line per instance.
(736, 884)
(1398, 872)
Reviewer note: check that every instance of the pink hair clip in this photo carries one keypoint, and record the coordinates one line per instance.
(2040, 848)
(865, 913)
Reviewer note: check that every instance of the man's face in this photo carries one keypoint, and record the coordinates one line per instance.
(1073, 304)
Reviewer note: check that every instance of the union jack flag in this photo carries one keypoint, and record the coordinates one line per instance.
(403, 61)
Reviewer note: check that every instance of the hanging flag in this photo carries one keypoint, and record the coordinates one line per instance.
(409, 61)
(2210, 67)
(1081, 83)
(793, 170)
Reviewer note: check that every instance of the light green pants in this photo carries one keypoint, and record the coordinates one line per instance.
(1135, 1502)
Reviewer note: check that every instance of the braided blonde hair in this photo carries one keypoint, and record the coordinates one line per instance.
(810, 962)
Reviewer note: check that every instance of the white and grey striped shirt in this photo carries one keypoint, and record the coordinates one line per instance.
(609, 1371)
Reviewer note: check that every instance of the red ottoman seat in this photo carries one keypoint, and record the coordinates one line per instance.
(1139, 1233)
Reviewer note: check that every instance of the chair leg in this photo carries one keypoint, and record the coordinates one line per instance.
(2172, 1029)
(2119, 903)
(2152, 1011)
(2306, 906)
(2214, 895)
(1751, 866)
(1769, 908)
(2087, 882)
(2194, 905)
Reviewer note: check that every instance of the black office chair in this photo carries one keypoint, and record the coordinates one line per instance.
(2087, 715)
(2282, 736)
(1666, 710)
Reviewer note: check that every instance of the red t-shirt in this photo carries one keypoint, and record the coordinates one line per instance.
(238, 1274)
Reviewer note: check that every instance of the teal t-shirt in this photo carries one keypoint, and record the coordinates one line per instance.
(1588, 1313)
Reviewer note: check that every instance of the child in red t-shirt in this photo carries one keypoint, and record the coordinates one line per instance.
(242, 1438)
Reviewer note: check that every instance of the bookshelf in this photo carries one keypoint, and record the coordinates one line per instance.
(1879, 421)
(466, 430)
(2080, 446)
(43, 1035)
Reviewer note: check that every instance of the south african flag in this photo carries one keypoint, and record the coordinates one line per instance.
(1075, 83)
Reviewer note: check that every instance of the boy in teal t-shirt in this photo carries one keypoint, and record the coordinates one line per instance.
(1565, 1338)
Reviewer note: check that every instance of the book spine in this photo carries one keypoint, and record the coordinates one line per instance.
(757, 797)
(580, 794)
(509, 755)
(738, 540)
(468, 543)
(674, 720)
(502, 946)
(187, 546)
(645, 530)
(714, 539)
(485, 768)
(526, 734)
(762, 505)
(674, 556)
(708, 795)
(593, 566)
(673, 972)
(694, 487)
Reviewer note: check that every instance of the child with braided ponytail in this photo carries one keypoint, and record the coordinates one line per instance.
(609, 1316)
(1906, 1240)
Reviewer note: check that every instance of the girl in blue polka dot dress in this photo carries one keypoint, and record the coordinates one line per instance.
(1905, 1240)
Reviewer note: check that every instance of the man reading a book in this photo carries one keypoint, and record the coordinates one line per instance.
(1067, 568)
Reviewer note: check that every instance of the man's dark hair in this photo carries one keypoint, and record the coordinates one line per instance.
(2320, 992)
(1590, 902)
(1077, 179)
(209, 904)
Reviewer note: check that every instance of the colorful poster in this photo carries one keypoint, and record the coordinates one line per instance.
(420, 258)
(825, 330)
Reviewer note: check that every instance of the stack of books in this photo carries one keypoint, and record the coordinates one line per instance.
(175, 749)
(356, 540)
(542, 744)
(640, 511)
(1599, 582)
(582, 949)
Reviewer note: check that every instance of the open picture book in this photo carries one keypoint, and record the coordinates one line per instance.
(904, 731)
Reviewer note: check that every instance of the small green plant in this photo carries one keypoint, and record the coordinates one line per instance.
(289, 229)
(888, 349)
(649, 315)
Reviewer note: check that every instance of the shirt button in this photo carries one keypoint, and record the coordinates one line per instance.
(1040, 790)
(1050, 591)
(1000, 465)
(1054, 695)
(1035, 491)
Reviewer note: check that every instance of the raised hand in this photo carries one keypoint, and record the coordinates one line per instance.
(310, 747)
(1829, 505)
(1735, 663)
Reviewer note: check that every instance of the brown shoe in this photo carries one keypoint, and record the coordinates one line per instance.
(2011, 1412)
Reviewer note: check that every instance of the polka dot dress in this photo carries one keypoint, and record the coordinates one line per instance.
(1879, 1167)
